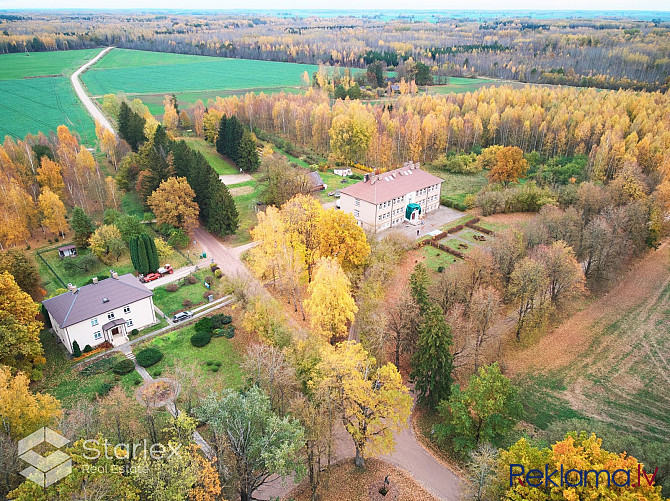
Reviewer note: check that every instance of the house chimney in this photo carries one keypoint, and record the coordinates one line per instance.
(366, 178)
(95, 280)
(72, 288)
(114, 274)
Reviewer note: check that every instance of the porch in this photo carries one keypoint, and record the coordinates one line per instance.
(115, 332)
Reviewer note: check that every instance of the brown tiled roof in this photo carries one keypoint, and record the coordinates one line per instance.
(390, 185)
(71, 308)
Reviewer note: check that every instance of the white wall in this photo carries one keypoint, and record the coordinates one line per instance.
(141, 313)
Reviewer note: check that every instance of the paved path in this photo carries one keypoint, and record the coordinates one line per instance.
(182, 272)
(227, 259)
(231, 179)
(90, 106)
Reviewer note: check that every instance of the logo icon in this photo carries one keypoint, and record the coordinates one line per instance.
(44, 470)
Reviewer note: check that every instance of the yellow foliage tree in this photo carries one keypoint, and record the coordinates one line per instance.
(22, 412)
(341, 238)
(52, 210)
(330, 305)
(173, 204)
(106, 243)
(374, 402)
(509, 167)
(170, 117)
(49, 174)
(20, 345)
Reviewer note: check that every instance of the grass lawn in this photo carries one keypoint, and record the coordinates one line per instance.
(246, 208)
(131, 204)
(70, 385)
(179, 352)
(436, 258)
(459, 85)
(461, 220)
(469, 235)
(221, 165)
(456, 244)
(172, 302)
(457, 186)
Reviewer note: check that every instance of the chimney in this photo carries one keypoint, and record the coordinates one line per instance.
(72, 288)
(366, 178)
(95, 280)
(114, 274)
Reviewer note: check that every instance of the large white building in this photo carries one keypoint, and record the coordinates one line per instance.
(105, 310)
(393, 198)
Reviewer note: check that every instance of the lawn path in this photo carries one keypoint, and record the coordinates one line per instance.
(84, 97)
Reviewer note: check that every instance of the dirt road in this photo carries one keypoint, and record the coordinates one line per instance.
(83, 96)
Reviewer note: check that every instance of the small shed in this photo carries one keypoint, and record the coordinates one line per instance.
(67, 251)
(316, 181)
(342, 172)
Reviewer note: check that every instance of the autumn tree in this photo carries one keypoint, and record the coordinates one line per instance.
(351, 133)
(268, 368)
(106, 243)
(373, 401)
(50, 175)
(21, 411)
(82, 226)
(527, 285)
(342, 238)
(583, 452)
(564, 274)
(20, 345)
(330, 305)
(259, 442)
(170, 117)
(53, 212)
(23, 268)
(281, 181)
(173, 204)
(509, 167)
(432, 362)
(402, 320)
(485, 411)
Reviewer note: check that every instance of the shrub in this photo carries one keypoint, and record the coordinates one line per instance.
(187, 303)
(123, 367)
(200, 339)
(171, 287)
(217, 363)
(440, 269)
(148, 357)
(461, 164)
(215, 368)
(76, 351)
(98, 367)
(213, 266)
(204, 325)
(134, 332)
(218, 273)
(206, 294)
(229, 332)
(103, 389)
(220, 320)
(209, 279)
(88, 349)
(157, 373)
(192, 279)
(209, 363)
(138, 380)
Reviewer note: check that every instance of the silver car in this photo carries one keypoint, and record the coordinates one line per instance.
(182, 315)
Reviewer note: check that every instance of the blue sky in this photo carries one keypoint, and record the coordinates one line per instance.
(658, 5)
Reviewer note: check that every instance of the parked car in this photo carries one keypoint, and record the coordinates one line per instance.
(165, 270)
(149, 277)
(182, 315)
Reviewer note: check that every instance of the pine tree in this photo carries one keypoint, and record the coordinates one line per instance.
(248, 159)
(76, 351)
(221, 145)
(143, 260)
(82, 226)
(433, 362)
(152, 253)
(222, 217)
(134, 252)
(234, 132)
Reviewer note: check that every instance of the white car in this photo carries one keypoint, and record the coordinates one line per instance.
(182, 315)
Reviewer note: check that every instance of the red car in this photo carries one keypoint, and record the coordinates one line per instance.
(150, 277)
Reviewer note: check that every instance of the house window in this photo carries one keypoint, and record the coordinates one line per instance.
(97, 335)
(357, 203)
(94, 322)
(129, 322)
(356, 213)
(110, 315)
(126, 309)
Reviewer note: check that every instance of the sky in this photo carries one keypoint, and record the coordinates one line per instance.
(652, 5)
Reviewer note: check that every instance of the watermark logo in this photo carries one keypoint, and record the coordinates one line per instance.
(45, 470)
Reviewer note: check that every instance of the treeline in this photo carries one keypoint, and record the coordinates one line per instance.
(157, 158)
(620, 54)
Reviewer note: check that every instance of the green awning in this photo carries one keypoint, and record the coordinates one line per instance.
(411, 208)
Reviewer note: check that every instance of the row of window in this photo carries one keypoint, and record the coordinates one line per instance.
(110, 316)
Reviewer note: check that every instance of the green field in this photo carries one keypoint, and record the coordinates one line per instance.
(139, 72)
(35, 100)
(457, 85)
(221, 165)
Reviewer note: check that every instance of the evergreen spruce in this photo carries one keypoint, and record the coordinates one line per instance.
(248, 159)
(134, 252)
(222, 217)
(81, 226)
(221, 138)
(76, 351)
(143, 260)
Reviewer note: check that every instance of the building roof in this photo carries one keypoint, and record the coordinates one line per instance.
(393, 184)
(315, 179)
(114, 323)
(92, 300)
(67, 247)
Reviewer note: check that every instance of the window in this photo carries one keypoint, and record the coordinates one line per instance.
(357, 203)
(97, 335)
(94, 322)
(129, 322)
(380, 217)
(126, 309)
(110, 315)
(356, 213)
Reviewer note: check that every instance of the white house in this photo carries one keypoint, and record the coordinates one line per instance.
(102, 311)
(393, 198)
